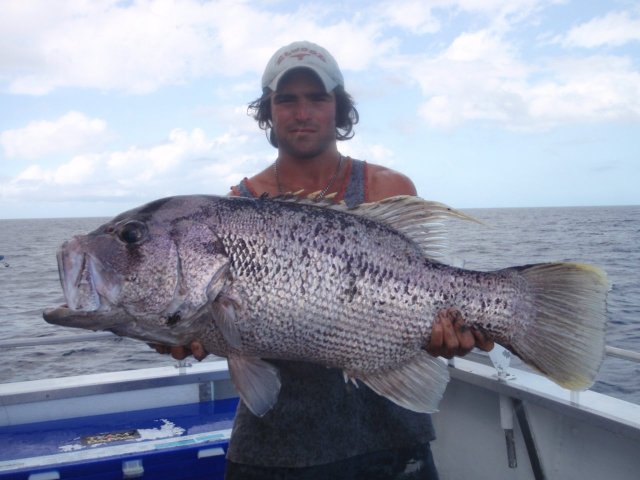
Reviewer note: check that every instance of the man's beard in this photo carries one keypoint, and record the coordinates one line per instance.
(306, 152)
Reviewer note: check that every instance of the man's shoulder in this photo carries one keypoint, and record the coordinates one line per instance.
(255, 185)
(384, 182)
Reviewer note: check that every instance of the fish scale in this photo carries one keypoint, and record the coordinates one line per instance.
(336, 264)
(356, 289)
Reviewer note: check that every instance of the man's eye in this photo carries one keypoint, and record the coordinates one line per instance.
(283, 99)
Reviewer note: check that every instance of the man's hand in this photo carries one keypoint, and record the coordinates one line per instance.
(195, 348)
(450, 336)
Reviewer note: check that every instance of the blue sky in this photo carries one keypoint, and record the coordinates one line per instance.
(107, 104)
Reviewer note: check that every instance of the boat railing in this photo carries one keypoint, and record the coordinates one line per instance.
(623, 354)
(99, 336)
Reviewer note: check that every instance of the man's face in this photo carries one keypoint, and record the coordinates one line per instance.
(303, 115)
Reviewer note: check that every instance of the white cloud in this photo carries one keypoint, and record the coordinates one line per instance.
(613, 29)
(137, 166)
(139, 47)
(33, 173)
(78, 171)
(106, 44)
(142, 46)
(592, 89)
(72, 132)
(478, 76)
(439, 111)
(413, 15)
(188, 161)
(481, 77)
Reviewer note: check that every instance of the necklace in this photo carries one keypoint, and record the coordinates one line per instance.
(323, 192)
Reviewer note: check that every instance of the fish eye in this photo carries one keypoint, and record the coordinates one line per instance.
(132, 232)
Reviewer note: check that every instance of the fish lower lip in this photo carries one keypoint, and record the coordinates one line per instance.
(91, 320)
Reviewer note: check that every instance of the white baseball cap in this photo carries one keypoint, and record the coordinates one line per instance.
(303, 55)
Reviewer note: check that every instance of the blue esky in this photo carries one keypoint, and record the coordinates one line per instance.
(107, 104)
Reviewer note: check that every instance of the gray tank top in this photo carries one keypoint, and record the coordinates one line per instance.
(319, 418)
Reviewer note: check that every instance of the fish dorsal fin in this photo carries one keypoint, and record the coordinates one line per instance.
(318, 197)
(417, 219)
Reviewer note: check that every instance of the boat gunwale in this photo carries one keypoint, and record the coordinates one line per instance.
(604, 410)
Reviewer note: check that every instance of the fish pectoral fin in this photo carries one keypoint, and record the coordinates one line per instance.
(417, 385)
(257, 382)
(223, 311)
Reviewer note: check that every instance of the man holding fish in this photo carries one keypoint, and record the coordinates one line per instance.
(330, 314)
(322, 427)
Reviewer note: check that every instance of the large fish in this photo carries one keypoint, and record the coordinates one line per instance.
(357, 289)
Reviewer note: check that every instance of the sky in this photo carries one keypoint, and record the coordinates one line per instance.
(108, 104)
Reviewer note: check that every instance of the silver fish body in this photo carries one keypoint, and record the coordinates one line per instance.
(355, 289)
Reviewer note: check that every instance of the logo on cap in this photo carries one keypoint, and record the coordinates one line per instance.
(300, 53)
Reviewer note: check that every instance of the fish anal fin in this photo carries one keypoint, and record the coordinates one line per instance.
(417, 385)
(257, 382)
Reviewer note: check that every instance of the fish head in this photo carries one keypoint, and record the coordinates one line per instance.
(147, 274)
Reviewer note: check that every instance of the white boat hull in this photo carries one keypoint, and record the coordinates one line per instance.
(555, 434)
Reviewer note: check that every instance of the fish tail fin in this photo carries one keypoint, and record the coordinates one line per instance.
(566, 340)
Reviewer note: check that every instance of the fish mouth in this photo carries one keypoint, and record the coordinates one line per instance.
(87, 285)
(91, 292)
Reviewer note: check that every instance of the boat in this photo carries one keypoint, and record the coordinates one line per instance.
(496, 421)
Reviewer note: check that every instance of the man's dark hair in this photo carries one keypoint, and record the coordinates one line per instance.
(346, 114)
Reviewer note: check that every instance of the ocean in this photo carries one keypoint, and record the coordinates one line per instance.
(608, 237)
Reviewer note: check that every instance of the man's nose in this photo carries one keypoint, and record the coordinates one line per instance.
(303, 110)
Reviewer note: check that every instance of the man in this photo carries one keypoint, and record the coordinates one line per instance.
(322, 427)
